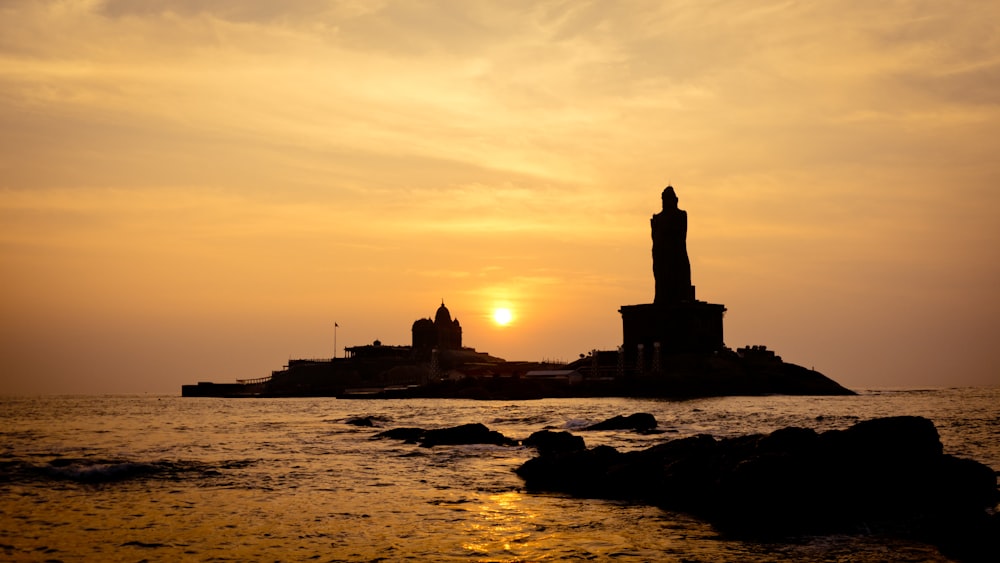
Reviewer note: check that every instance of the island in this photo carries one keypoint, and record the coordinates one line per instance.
(673, 347)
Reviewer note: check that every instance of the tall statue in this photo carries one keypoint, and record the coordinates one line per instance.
(671, 267)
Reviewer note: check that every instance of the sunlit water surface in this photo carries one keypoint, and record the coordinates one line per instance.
(167, 478)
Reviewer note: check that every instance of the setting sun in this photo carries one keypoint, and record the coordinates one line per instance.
(502, 316)
(301, 197)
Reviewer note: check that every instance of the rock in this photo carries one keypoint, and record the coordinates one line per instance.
(912, 437)
(888, 475)
(361, 421)
(787, 439)
(686, 468)
(464, 434)
(549, 442)
(411, 435)
(639, 421)
(452, 436)
(581, 472)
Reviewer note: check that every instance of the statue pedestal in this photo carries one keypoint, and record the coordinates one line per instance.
(679, 327)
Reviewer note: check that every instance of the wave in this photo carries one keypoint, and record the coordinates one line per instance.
(83, 471)
(576, 424)
(529, 419)
(135, 543)
(99, 471)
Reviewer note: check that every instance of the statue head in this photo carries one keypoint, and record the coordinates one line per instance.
(669, 198)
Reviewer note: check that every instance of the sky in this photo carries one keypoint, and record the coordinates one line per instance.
(195, 190)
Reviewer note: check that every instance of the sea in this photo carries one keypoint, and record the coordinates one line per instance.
(166, 478)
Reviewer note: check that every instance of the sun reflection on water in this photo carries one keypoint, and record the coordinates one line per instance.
(502, 527)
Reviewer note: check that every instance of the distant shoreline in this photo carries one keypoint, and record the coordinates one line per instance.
(729, 378)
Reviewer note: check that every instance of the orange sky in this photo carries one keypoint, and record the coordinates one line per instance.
(198, 193)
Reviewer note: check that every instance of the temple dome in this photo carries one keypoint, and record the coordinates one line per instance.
(443, 315)
(443, 333)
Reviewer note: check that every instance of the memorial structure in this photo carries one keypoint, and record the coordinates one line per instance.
(676, 322)
(672, 347)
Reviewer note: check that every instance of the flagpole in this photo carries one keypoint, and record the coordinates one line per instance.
(335, 325)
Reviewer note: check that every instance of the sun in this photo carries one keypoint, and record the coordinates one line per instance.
(502, 316)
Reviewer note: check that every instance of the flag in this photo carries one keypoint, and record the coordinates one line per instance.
(335, 325)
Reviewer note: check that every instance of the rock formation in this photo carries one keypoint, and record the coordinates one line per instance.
(885, 475)
(462, 434)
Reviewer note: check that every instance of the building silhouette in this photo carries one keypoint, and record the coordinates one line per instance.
(442, 333)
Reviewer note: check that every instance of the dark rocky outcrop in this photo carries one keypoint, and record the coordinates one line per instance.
(452, 436)
(885, 476)
(464, 434)
(367, 421)
(641, 421)
(406, 434)
(549, 442)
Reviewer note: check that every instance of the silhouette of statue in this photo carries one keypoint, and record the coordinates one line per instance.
(671, 267)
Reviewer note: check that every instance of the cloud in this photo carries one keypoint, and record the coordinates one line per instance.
(279, 148)
(259, 11)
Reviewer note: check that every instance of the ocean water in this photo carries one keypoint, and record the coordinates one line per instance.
(165, 478)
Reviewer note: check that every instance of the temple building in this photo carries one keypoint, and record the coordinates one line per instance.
(442, 333)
